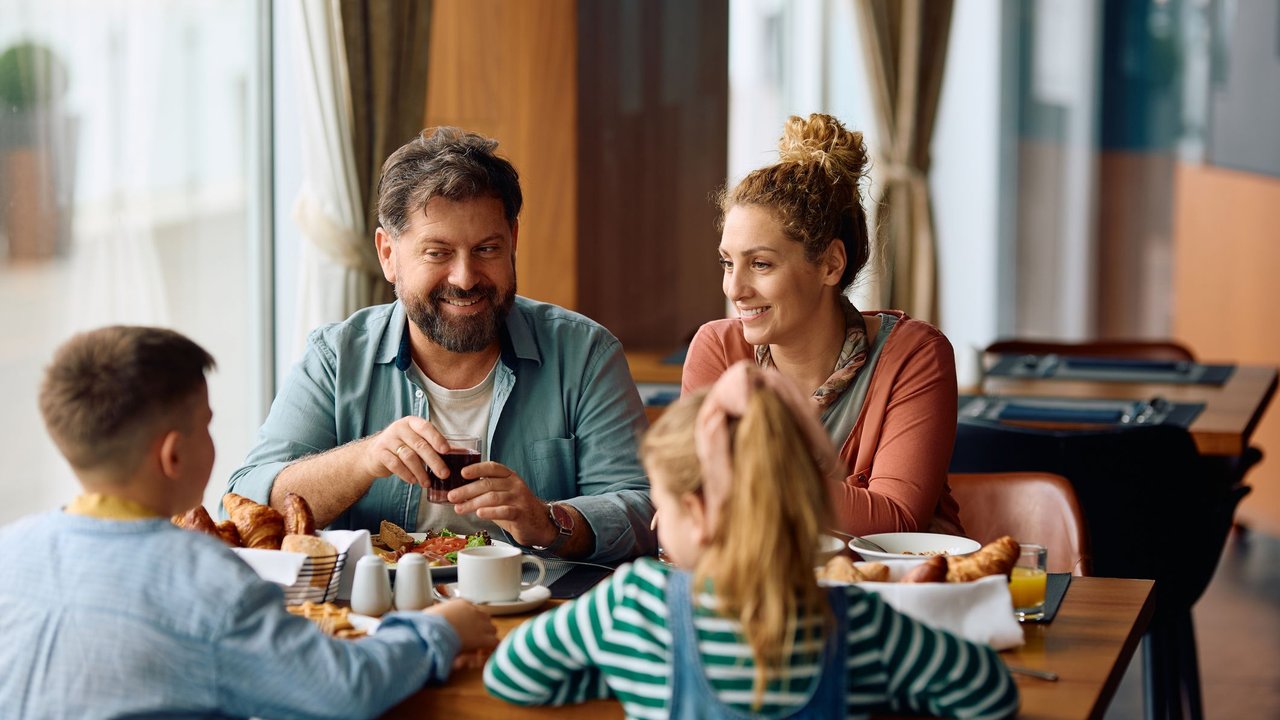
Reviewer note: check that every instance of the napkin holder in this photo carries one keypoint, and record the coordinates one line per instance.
(305, 578)
(980, 611)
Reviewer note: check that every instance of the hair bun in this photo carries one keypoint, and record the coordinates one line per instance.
(823, 140)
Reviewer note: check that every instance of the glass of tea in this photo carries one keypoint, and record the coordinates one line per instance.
(464, 450)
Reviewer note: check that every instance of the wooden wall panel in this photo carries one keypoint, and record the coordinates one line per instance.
(653, 149)
(1227, 294)
(508, 70)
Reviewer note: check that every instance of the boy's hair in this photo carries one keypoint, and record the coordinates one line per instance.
(761, 557)
(106, 389)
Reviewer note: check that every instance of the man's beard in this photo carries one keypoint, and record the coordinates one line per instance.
(471, 333)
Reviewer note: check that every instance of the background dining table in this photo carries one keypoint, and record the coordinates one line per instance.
(1231, 410)
(1088, 645)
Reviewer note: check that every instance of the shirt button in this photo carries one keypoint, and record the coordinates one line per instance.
(419, 394)
(862, 477)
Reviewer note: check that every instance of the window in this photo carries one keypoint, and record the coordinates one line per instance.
(132, 190)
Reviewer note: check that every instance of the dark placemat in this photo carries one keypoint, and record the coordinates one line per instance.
(576, 579)
(1126, 370)
(1055, 589)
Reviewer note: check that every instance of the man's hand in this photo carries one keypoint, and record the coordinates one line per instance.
(500, 495)
(406, 448)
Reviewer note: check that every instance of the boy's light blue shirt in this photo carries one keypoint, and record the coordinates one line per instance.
(566, 418)
(139, 618)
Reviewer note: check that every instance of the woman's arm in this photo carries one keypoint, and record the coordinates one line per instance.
(705, 362)
(908, 472)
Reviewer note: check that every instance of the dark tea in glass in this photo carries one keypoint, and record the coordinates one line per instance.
(463, 451)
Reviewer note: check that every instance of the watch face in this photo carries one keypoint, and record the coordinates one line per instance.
(562, 518)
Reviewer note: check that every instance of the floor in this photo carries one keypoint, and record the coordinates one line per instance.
(1237, 634)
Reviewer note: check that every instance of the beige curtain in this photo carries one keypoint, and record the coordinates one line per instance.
(362, 78)
(386, 44)
(905, 47)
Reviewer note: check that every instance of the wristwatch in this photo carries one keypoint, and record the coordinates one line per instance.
(563, 520)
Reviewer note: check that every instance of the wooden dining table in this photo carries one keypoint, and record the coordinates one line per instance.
(1088, 645)
(1231, 410)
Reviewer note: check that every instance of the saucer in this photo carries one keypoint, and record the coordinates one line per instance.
(529, 599)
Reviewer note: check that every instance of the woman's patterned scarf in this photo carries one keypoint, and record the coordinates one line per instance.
(853, 355)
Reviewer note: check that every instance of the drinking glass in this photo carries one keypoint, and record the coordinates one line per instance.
(1027, 582)
(463, 450)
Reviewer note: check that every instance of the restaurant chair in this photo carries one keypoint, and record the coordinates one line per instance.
(1154, 508)
(1031, 507)
(1119, 349)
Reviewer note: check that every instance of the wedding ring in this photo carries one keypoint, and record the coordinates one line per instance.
(402, 446)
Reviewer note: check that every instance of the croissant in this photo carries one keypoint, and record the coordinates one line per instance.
(843, 570)
(298, 519)
(197, 518)
(227, 531)
(995, 558)
(259, 526)
(933, 570)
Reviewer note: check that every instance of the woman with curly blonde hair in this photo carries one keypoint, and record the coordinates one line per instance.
(794, 238)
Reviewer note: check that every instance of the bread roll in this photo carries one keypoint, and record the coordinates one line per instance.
(259, 526)
(394, 536)
(298, 519)
(310, 545)
(995, 558)
(323, 556)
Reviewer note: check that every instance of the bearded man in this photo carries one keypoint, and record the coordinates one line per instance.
(361, 421)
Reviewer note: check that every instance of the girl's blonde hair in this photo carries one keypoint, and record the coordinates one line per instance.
(760, 558)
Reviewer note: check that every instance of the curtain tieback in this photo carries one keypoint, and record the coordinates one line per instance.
(902, 172)
(343, 245)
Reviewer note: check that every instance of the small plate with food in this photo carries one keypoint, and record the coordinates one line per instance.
(915, 546)
(440, 547)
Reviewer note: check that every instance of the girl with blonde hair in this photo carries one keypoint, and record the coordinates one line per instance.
(794, 239)
(738, 626)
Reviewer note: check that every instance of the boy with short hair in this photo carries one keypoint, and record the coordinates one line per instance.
(109, 609)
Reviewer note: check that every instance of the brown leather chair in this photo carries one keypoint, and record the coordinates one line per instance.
(1031, 507)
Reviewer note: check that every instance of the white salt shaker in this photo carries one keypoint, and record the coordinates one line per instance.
(413, 583)
(371, 588)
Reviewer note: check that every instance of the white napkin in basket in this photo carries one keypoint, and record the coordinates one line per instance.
(980, 611)
(282, 568)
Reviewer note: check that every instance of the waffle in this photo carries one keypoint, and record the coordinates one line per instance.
(331, 619)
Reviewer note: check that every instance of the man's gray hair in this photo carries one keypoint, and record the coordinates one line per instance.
(444, 162)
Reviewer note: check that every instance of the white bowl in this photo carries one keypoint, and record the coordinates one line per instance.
(915, 546)
(829, 545)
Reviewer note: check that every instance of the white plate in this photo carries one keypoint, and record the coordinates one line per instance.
(900, 544)
(441, 573)
(529, 599)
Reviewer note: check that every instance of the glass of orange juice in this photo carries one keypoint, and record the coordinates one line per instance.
(1027, 582)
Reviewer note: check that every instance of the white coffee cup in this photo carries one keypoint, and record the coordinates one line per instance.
(491, 573)
(371, 588)
(413, 583)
